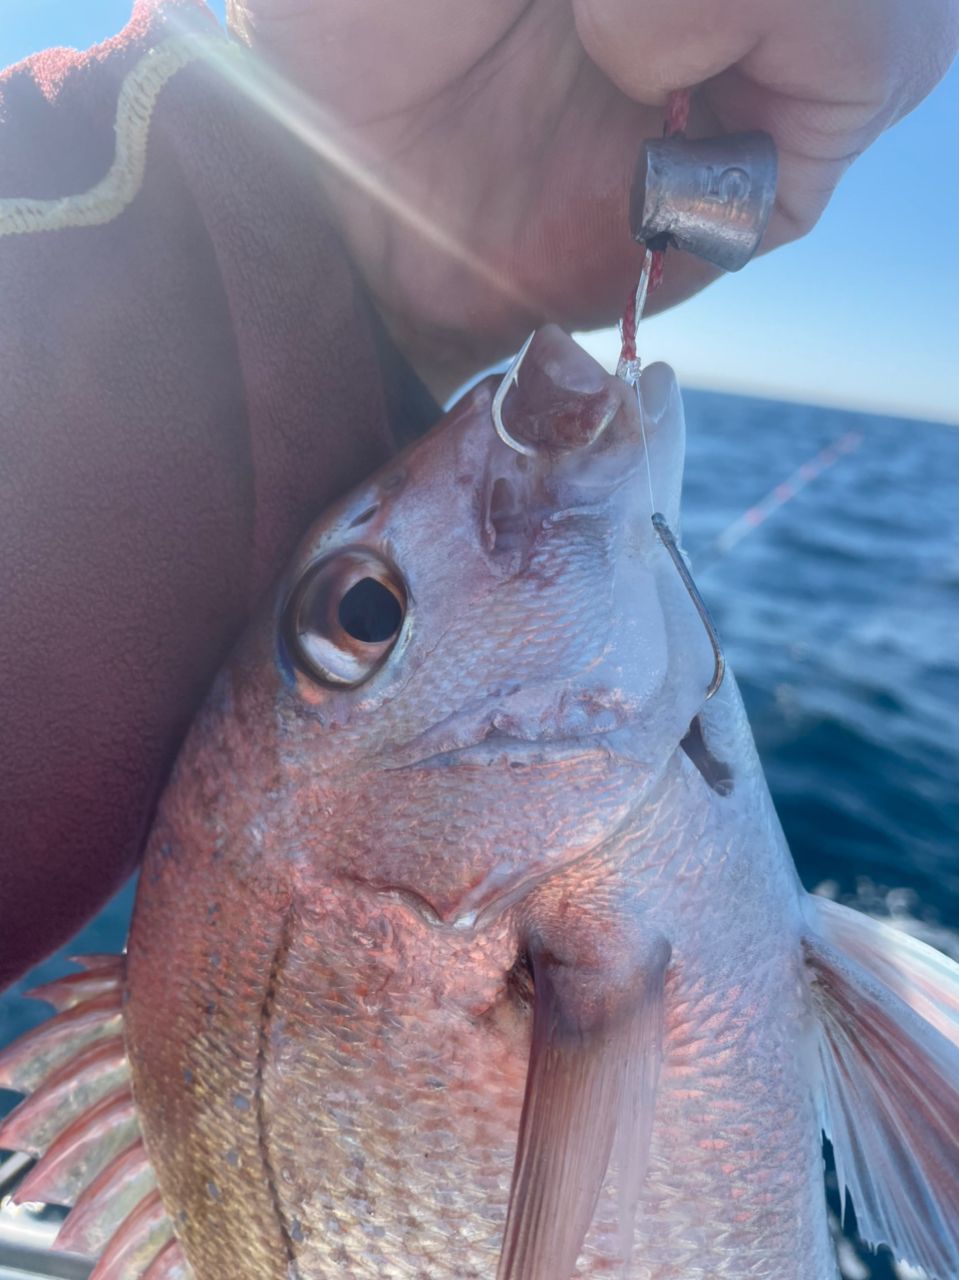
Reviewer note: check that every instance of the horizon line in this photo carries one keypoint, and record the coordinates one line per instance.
(603, 345)
(847, 404)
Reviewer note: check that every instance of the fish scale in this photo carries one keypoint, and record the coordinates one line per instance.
(199, 1033)
(735, 1140)
(455, 1119)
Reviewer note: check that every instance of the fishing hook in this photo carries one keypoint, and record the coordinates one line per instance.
(511, 379)
(665, 534)
(629, 370)
(668, 540)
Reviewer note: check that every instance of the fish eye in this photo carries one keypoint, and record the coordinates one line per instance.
(370, 612)
(343, 617)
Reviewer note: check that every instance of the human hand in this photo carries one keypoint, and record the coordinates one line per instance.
(512, 129)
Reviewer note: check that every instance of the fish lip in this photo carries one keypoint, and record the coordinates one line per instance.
(515, 752)
(533, 722)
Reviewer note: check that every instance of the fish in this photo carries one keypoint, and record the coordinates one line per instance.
(467, 942)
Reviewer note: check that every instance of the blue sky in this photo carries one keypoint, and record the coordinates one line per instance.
(864, 311)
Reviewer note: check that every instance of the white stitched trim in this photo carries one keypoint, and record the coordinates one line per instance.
(138, 95)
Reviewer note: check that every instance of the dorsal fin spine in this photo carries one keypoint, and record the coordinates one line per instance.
(133, 1247)
(82, 1150)
(79, 1117)
(110, 1198)
(26, 1063)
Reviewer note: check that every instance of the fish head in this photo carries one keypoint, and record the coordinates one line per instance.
(480, 659)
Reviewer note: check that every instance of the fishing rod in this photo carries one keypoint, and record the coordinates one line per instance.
(776, 498)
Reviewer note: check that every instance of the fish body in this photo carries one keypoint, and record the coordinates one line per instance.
(467, 941)
(417, 1038)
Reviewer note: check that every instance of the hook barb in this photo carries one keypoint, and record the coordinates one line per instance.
(667, 538)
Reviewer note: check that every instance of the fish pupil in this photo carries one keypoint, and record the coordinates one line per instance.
(370, 612)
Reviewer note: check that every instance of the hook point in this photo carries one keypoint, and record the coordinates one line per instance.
(510, 379)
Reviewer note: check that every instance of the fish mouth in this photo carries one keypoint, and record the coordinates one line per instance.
(514, 753)
(525, 729)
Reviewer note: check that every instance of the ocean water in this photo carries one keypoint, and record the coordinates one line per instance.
(839, 615)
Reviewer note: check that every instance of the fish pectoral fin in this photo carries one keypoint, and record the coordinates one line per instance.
(888, 1009)
(590, 1088)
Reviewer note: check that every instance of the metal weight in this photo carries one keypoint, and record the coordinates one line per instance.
(709, 196)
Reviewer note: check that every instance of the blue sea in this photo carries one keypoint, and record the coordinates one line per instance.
(838, 603)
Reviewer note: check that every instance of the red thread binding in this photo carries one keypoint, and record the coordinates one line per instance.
(677, 118)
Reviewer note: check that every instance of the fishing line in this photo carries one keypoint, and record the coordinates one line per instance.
(630, 370)
(630, 367)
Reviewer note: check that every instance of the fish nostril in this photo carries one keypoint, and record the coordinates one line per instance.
(508, 522)
(560, 399)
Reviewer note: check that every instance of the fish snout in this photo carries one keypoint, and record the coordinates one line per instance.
(560, 410)
(556, 399)
(576, 441)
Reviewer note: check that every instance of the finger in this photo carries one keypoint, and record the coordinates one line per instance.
(650, 49)
(816, 142)
(824, 78)
(865, 53)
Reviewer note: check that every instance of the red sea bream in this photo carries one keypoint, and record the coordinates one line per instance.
(467, 943)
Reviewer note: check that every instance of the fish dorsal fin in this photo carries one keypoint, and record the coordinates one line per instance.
(29, 1061)
(82, 1150)
(169, 1264)
(132, 1249)
(79, 1118)
(77, 988)
(74, 1087)
(106, 1203)
(888, 1010)
(591, 1084)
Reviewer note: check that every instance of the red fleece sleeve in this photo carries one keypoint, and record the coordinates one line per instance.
(188, 372)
